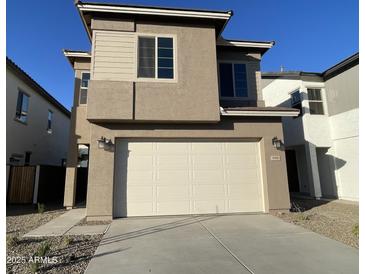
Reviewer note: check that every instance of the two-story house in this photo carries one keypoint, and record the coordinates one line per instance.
(173, 116)
(322, 144)
(37, 125)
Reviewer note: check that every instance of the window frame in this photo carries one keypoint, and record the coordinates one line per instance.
(81, 87)
(315, 101)
(156, 79)
(232, 63)
(16, 118)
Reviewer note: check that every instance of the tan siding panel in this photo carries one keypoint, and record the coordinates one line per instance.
(114, 56)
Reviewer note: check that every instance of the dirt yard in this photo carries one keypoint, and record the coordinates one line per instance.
(66, 254)
(338, 220)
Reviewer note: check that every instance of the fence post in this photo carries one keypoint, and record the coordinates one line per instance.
(7, 177)
(36, 184)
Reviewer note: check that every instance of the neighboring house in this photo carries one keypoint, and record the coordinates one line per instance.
(173, 116)
(37, 125)
(322, 144)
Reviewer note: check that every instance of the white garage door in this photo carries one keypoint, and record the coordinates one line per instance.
(187, 177)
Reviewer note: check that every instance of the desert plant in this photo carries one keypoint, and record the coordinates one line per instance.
(67, 241)
(41, 208)
(34, 267)
(43, 249)
(12, 240)
(302, 217)
(355, 230)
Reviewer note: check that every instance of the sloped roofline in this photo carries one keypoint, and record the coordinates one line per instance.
(37, 87)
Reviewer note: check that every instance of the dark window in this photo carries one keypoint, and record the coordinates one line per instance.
(22, 107)
(27, 158)
(225, 80)
(85, 77)
(296, 102)
(165, 58)
(315, 101)
(49, 121)
(146, 57)
(233, 80)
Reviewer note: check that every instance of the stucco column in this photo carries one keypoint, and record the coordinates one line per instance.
(313, 171)
(99, 202)
(71, 177)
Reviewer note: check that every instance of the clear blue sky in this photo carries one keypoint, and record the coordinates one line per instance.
(310, 35)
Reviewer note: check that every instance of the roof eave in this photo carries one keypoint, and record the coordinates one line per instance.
(82, 7)
(259, 113)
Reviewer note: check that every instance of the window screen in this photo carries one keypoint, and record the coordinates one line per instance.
(226, 80)
(146, 57)
(165, 58)
(233, 80)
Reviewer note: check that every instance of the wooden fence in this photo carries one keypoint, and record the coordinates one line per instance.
(21, 184)
(32, 184)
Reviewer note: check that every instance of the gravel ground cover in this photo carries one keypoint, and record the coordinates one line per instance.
(84, 222)
(64, 254)
(338, 220)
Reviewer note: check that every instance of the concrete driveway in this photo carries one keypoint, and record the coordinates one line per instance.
(218, 244)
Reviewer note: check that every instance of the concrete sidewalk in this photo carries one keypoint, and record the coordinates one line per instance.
(60, 225)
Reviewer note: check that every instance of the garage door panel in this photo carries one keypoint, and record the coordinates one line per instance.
(208, 192)
(180, 162)
(168, 148)
(238, 191)
(236, 175)
(202, 176)
(168, 193)
(207, 162)
(205, 207)
(140, 209)
(209, 148)
(172, 177)
(173, 208)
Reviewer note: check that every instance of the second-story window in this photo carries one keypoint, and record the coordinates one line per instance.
(233, 80)
(155, 57)
(296, 101)
(49, 121)
(315, 101)
(85, 77)
(22, 107)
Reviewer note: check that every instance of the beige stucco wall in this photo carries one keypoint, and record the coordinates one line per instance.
(101, 169)
(47, 149)
(342, 91)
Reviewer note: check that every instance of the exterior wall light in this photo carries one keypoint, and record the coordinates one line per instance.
(104, 143)
(277, 143)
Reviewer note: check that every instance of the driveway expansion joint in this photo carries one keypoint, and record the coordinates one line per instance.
(226, 248)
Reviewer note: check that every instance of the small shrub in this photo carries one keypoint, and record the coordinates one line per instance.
(41, 208)
(34, 267)
(355, 230)
(43, 249)
(67, 241)
(302, 217)
(12, 240)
